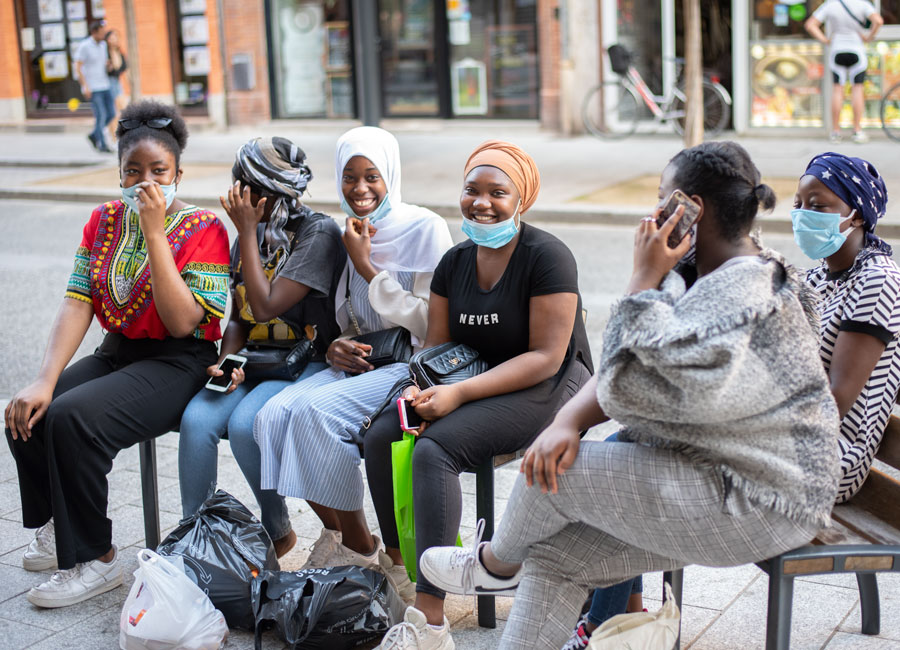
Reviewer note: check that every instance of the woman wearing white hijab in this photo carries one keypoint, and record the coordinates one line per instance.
(304, 432)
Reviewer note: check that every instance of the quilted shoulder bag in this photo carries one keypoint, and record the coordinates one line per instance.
(284, 360)
(447, 363)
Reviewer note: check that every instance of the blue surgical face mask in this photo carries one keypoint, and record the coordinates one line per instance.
(378, 213)
(818, 234)
(492, 235)
(129, 196)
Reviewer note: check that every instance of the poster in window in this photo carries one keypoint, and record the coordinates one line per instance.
(468, 87)
(76, 10)
(50, 10)
(97, 9)
(196, 61)
(54, 66)
(192, 6)
(194, 30)
(338, 43)
(53, 36)
(78, 29)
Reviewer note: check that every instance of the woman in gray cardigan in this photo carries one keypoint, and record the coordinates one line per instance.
(714, 370)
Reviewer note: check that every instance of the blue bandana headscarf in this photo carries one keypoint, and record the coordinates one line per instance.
(857, 183)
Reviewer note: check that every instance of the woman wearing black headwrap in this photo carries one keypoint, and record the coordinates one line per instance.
(839, 199)
(285, 268)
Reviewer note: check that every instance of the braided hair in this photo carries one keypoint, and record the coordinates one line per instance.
(725, 176)
(173, 137)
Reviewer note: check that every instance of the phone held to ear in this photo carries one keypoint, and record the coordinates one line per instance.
(223, 382)
(409, 420)
(688, 219)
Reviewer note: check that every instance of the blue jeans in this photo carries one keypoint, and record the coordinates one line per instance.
(206, 420)
(609, 601)
(104, 111)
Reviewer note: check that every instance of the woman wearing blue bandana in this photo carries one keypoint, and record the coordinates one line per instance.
(839, 199)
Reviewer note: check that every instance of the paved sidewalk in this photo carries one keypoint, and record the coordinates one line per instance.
(575, 171)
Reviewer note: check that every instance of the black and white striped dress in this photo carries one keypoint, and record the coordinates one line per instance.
(864, 298)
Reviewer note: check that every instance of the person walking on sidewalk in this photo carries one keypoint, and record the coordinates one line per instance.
(154, 272)
(850, 25)
(90, 67)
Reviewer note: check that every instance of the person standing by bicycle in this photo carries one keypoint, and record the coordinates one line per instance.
(850, 25)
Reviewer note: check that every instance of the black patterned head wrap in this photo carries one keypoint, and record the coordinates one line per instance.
(857, 183)
(276, 167)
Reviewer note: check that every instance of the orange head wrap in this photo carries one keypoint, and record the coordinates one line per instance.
(513, 162)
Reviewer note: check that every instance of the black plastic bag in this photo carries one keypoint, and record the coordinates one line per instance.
(335, 608)
(224, 547)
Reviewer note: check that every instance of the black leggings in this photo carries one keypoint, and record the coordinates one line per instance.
(126, 392)
(465, 438)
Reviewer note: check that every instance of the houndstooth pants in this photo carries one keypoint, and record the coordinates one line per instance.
(624, 509)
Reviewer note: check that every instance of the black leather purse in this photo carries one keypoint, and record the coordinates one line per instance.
(447, 363)
(388, 346)
(277, 360)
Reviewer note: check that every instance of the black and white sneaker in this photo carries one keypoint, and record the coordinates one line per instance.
(460, 571)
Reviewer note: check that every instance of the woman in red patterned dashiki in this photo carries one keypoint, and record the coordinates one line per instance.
(154, 271)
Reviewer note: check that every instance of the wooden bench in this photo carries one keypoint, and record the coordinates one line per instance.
(864, 539)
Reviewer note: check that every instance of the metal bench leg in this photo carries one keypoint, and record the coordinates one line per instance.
(484, 509)
(869, 605)
(676, 579)
(778, 618)
(149, 492)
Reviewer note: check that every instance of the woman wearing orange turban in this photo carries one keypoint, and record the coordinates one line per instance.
(510, 292)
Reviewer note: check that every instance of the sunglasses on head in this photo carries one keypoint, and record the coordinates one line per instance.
(153, 123)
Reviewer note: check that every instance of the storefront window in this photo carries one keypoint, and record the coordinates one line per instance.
(189, 28)
(883, 72)
(51, 32)
(409, 70)
(313, 58)
(774, 18)
(786, 84)
(640, 30)
(493, 57)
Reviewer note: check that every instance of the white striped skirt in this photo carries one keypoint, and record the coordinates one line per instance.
(304, 435)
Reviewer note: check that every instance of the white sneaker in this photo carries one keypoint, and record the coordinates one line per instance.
(322, 549)
(835, 137)
(41, 552)
(344, 556)
(860, 138)
(414, 633)
(70, 586)
(398, 576)
(460, 571)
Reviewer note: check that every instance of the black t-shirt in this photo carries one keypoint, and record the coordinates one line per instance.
(317, 258)
(496, 322)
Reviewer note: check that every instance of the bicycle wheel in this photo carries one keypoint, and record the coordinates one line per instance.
(611, 110)
(890, 112)
(716, 110)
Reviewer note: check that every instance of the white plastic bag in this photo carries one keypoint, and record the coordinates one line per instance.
(165, 610)
(641, 630)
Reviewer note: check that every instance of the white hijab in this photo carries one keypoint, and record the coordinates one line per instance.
(409, 237)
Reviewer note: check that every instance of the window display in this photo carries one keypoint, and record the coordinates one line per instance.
(786, 84)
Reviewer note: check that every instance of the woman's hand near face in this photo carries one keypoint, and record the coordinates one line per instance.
(653, 258)
(240, 210)
(151, 204)
(349, 356)
(357, 240)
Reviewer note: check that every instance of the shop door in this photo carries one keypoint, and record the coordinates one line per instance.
(51, 32)
(411, 57)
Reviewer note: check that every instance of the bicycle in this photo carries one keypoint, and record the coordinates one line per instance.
(890, 112)
(613, 109)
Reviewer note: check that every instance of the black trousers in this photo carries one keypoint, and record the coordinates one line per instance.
(126, 392)
(464, 438)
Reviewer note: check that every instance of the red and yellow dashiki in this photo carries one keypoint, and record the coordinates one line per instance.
(112, 269)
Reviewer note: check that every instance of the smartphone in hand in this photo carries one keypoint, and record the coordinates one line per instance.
(410, 421)
(223, 382)
(688, 219)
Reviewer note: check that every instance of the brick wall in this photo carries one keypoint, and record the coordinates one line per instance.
(245, 33)
(155, 55)
(10, 56)
(549, 55)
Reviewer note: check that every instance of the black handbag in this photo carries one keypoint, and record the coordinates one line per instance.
(447, 363)
(392, 345)
(277, 360)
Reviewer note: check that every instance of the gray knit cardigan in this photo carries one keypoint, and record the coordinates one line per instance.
(728, 373)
